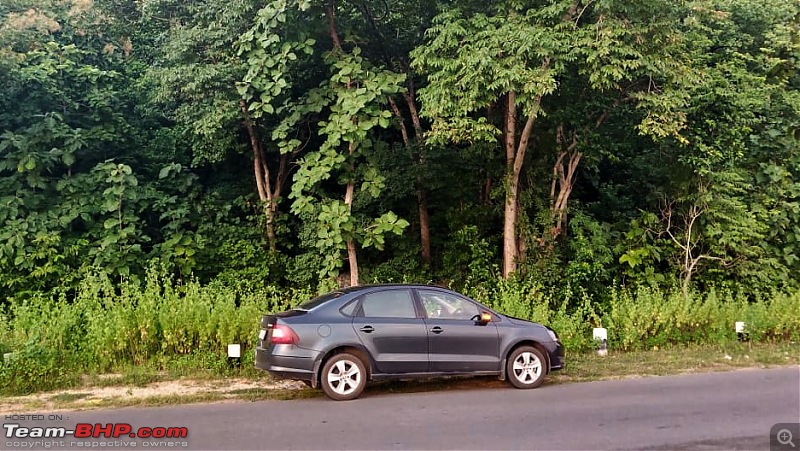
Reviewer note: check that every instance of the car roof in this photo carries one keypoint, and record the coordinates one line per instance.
(386, 285)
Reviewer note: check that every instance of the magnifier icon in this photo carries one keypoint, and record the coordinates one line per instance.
(784, 437)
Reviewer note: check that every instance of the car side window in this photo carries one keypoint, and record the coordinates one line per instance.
(446, 306)
(388, 304)
(350, 308)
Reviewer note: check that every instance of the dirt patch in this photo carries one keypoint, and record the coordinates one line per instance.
(88, 397)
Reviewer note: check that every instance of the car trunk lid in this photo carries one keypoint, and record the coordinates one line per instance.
(269, 321)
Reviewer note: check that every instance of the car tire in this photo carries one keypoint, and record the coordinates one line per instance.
(526, 367)
(343, 377)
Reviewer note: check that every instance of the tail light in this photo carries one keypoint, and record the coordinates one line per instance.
(283, 335)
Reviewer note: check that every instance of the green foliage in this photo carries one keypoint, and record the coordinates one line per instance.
(36, 368)
(471, 66)
(468, 258)
(590, 255)
(125, 143)
(353, 97)
(78, 185)
(647, 317)
(162, 324)
(643, 317)
(107, 326)
(270, 57)
(195, 71)
(403, 267)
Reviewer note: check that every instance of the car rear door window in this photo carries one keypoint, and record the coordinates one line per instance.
(388, 304)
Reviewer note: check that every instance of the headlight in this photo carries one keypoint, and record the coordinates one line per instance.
(552, 334)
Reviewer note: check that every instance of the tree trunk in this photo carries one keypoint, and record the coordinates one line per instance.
(269, 213)
(515, 156)
(564, 179)
(263, 182)
(330, 11)
(422, 195)
(509, 231)
(424, 225)
(418, 159)
(352, 258)
(510, 213)
(351, 255)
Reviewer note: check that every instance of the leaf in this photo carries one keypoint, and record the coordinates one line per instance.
(68, 158)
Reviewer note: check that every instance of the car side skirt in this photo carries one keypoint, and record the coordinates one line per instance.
(399, 376)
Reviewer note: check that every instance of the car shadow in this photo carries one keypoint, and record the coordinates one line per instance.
(437, 384)
(434, 384)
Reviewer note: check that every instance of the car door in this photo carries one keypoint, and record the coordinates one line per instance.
(457, 341)
(389, 326)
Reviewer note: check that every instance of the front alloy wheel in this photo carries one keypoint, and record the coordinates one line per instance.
(343, 377)
(526, 367)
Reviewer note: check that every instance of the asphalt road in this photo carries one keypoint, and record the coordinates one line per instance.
(733, 410)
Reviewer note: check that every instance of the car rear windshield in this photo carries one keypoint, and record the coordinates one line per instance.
(316, 302)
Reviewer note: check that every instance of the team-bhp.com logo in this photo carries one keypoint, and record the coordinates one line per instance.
(97, 430)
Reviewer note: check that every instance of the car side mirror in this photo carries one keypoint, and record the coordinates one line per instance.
(485, 318)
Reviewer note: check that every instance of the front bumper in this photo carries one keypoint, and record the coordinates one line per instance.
(557, 360)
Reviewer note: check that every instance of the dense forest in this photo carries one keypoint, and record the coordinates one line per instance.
(169, 170)
(585, 145)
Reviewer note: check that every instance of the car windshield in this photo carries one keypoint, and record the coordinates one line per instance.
(316, 302)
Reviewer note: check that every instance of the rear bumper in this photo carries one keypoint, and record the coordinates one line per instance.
(286, 361)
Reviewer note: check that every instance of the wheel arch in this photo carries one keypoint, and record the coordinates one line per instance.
(354, 349)
(518, 344)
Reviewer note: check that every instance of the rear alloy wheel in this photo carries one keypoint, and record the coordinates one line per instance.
(343, 377)
(526, 367)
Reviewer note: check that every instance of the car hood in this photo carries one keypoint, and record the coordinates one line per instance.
(519, 321)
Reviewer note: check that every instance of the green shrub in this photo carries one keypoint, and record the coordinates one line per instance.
(527, 298)
(162, 324)
(647, 317)
(35, 367)
(103, 327)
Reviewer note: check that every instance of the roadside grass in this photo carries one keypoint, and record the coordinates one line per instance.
(678, 360)
(69, 397)
(140, 387)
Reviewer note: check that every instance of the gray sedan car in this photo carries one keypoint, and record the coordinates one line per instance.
(344, 338)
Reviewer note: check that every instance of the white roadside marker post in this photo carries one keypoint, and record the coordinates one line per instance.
(235, 355)
(600, 334)
(741, 333)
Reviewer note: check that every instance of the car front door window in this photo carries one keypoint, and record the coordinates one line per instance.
(445, 306)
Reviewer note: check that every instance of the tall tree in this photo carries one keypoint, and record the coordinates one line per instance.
(489, 72)
(207, 52)
(80, 186)
(404, 22)
(472, 72)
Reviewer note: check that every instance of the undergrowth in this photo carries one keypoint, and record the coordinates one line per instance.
(163, 326)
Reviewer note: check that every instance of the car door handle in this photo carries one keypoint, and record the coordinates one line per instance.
(367, 329)
(437, 330)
